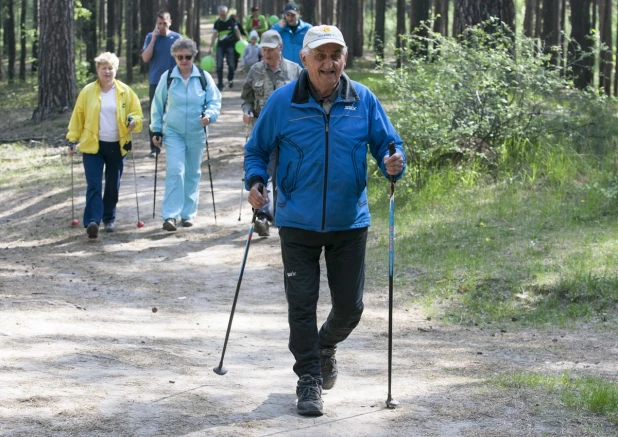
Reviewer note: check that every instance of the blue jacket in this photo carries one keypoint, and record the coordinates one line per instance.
(292, 42)
(322, 159)
(178, 109)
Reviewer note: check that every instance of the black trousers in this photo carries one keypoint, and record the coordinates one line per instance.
(344, 253)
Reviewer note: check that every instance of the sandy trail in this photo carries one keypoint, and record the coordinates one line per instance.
(83, 354)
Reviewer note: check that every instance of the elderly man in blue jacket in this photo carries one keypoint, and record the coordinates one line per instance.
(320, 127)
(292, 30)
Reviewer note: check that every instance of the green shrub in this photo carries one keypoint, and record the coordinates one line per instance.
(497, 100)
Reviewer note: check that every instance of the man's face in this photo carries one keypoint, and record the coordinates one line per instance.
(223, 14)
(325, 65)
(163, 24)
(271, 56)
(291, 18)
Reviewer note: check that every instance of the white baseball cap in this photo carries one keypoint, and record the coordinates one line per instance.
(324, 34)
(271, 39)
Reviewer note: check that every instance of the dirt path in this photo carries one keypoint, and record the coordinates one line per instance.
(82, 352)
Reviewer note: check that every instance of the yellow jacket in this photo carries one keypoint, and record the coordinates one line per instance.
(84, 124)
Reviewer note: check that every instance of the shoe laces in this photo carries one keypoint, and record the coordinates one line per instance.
(308, 389)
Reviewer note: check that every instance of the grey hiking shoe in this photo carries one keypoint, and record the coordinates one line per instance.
(109, 226)
(328, 364)
(92, 230)
(169, 224)
(309, 393)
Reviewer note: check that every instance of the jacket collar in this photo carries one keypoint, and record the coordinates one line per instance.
(121, 87)
(302, 93)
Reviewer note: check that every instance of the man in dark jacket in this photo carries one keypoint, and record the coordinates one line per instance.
(320, 126)
(226, 34)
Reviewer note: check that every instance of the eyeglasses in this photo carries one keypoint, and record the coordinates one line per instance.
(186, 57)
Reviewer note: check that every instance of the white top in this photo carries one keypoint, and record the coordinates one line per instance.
(108, 125)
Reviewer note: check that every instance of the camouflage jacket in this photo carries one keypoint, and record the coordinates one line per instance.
(261, 81)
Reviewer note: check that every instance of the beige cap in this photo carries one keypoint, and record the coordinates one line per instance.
(324, 34)
(271, 39)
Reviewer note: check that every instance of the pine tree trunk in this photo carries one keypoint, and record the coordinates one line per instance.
(111, 25)
(441, 23)
(129, 11)
(401, 29)
(581, 28)
(35, 42)
(551, 27)
(57, 87)
(529, 18)
(472, 12)
(308, 11)
(420, 10)
(22, 37)
(605, 67)
(174, 9)
(379, 30)
(89, 32)
(9, 29)
(359, 39)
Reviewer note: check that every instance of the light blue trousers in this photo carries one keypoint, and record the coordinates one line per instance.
(182, 176)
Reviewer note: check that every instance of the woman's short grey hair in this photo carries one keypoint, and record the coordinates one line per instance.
(306, 50)
(107, 58)
(184, 44)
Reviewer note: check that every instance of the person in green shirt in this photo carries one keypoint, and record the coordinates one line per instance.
(256, 21)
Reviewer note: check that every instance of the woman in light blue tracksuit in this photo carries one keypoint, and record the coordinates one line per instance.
(182, 109)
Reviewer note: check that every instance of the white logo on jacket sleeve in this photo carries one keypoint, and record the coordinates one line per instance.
(291, 274)
(350, 108)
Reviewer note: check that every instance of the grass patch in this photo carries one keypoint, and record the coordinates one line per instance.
(583, 393)
(476, 251)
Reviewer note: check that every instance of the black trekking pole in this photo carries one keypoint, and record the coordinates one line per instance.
(390, 402)
(212, 190)
(220, 370)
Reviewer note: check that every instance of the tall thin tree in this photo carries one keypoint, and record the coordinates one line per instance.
(35, 40)
(529, 18)
(401, 30)
(581, 42)
(379, 30)
(110, 25)
(9, 39)
(551, 28)
(605, 67)
(57, 87)
(22, 38)
(129, 11)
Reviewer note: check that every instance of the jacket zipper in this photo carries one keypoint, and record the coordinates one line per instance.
(325, 175)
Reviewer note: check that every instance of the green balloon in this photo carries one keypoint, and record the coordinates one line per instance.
(240, 46)
(207, 63)
(273, 19)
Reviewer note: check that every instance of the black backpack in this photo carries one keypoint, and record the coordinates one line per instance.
(202, 78)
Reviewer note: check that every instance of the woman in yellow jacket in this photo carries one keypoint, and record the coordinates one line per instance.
(106, 113)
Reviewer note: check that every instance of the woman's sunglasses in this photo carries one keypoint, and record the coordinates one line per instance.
(187, 57)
